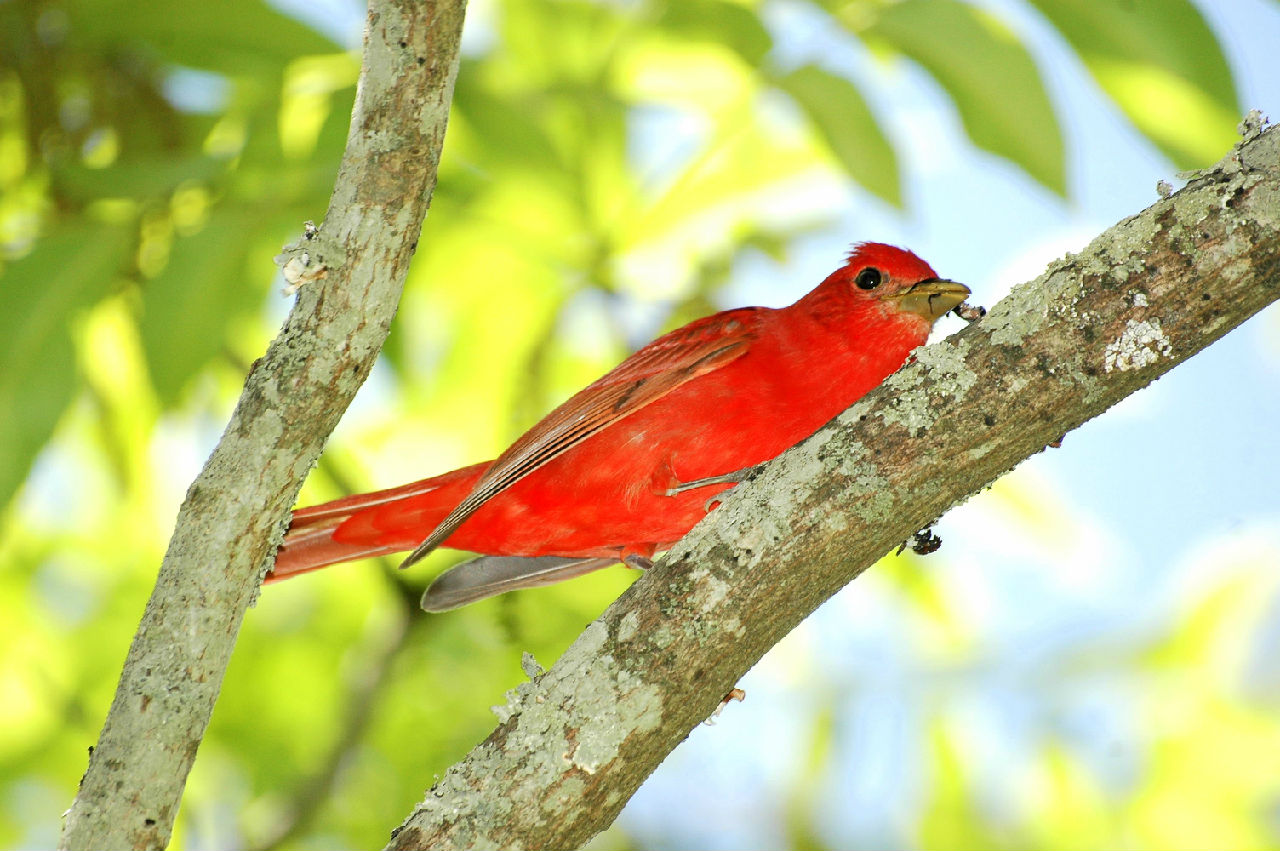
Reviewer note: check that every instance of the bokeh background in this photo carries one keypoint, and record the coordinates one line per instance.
(1090, 661)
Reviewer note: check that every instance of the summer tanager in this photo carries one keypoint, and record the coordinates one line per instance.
(628, 465)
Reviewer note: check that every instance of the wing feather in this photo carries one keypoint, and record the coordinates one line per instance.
(652, 372)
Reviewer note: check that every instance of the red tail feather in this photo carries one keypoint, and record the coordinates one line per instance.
(370, 524)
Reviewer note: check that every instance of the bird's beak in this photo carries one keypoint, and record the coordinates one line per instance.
(931, 299)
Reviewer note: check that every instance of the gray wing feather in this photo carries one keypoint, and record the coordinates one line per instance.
(491, 575)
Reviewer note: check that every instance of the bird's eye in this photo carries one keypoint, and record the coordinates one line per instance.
(868, 278)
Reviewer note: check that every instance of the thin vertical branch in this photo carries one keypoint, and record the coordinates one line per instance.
(352, 271)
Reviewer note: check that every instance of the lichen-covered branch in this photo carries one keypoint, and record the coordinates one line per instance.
(227, 529)
(1155, 289)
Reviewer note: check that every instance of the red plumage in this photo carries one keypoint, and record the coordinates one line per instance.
(720, 394)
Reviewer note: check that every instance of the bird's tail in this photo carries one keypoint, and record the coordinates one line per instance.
(370, 524)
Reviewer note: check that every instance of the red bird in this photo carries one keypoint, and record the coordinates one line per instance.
(626, 466)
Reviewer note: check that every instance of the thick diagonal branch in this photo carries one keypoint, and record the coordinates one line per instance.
(230, 522)
(1144, 296)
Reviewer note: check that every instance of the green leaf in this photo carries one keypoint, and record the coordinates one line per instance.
(950, 816)
(731, 24)
(1160, 63)
(846, 123)
(233, 37)
(187, 308)
(506, 129)
(547, 44)
(40, 296)
(989, 76)
(135, 178)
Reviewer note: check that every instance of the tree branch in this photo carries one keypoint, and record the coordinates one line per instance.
(230, 523)
(577, 741)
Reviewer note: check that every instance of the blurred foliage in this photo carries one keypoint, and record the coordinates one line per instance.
(1182, 771)
(607, 166)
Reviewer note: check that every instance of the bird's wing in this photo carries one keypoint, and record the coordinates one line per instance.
(695, 349)
(489, 575)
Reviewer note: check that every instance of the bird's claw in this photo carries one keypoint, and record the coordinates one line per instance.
(638, 562)
(734, 478)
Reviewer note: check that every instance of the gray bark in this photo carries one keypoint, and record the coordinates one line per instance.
(577, 741)
(227, 530)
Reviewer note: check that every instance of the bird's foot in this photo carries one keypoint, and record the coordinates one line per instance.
(734, 478)
(638, 562)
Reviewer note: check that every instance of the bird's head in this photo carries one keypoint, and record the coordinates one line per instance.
(892, 282)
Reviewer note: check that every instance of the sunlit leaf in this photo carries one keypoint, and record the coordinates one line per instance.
(233, 37)
(989, 76)
(484, 118)
(950, 819)
(1069, 802)
(309, 88)
(812, 775)
(40, 296)
(845, 122)
(724, 186)
(721, 22)
(552, 43)
(187, 308)
(924, 592)
(1205, 783)
(1161, 64)
(143, 177)
(693, 76)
